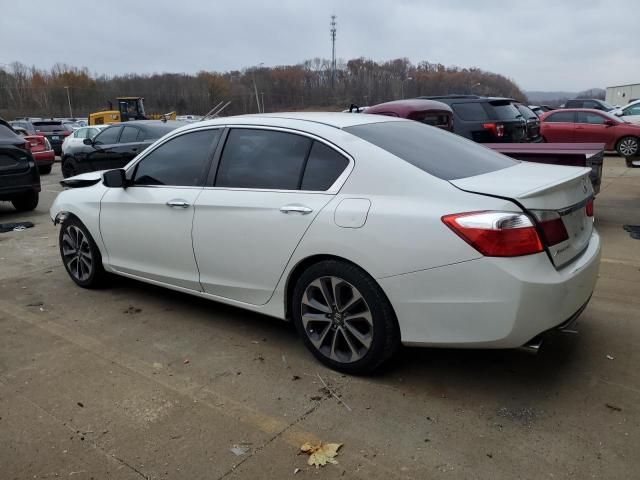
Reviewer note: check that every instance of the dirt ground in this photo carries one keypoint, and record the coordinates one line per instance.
(134, 381)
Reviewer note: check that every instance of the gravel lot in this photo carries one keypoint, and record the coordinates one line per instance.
(136, 382)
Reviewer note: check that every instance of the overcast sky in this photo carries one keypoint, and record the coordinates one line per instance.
(542, 45)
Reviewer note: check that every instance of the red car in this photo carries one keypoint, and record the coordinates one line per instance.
(41, 149)
(586, 125)
(433, 113)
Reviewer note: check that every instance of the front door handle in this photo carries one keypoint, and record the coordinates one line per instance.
(177, 204)
(296, 209)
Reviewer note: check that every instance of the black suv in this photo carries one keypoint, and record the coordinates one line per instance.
(19, 177)
(485, 119)
(589, 103)
(115, 146)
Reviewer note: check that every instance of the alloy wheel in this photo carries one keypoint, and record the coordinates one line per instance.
(76, 252)
(629, 147)
(337, 319)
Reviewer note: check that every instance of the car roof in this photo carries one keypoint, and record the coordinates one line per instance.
(466, 99)
(331, 119)
(405, 107)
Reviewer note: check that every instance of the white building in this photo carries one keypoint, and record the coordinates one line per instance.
(623, 94)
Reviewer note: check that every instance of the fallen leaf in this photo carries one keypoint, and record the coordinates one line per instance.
(610, 357)
(321, 454)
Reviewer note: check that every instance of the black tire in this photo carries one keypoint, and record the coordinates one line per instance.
(69, 167)
(76, 263)
(628, 146)
(26, 201)
(45, 170)
(384, 334)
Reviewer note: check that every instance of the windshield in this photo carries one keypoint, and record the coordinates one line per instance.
(439, 153)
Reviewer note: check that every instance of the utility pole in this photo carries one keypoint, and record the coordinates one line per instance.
(69, 100)
(262, 96)
(333, 50)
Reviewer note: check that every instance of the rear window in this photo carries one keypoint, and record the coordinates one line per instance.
(48, 126)
(153, 132)
(470, 111)
(504, 110)
(526, 112)
(439, 153)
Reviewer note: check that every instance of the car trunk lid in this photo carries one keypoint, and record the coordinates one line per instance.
(544, 191)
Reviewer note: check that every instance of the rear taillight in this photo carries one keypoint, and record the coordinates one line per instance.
(496, 234)
(589, 208)
(47, 145)
(551, 226)
(496, 128)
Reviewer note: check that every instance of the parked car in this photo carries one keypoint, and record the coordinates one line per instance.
(19, 177)
(114, 146)
(485, 119)
(629, 113)
(352, 226)
(589, 126)
(40, 149)
(532, 122)
(592, 103)
(429, 112)
(76, 139)
(55, 131)
(25, 124)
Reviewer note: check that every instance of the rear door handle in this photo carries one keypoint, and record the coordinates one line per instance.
(296, 209)
(177, 204)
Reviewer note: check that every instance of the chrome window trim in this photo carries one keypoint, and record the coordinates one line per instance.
(332, 190)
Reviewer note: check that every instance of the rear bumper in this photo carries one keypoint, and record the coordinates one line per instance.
(491, 302)
(44, 158)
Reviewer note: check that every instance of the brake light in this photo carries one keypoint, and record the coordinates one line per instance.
(496, 128)
(496, 234)
(552, 227)
(589, 208)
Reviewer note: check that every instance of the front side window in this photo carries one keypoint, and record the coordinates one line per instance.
(324, 166)
(591, 118)
(560, 117)
(267, 159)
(182, 161)
(108, 136)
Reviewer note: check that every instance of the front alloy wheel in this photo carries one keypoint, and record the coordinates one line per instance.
(337, 319)
(76, 253)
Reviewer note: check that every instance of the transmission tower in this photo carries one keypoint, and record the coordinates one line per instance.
(333, 50)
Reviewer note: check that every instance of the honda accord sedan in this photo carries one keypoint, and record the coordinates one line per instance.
(367, 232)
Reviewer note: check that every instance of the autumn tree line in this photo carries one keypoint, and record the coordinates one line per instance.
(30, 91)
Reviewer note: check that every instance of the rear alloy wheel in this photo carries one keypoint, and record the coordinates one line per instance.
(344, 317)
(26, 202)
(627, 146)
(69, 167)
(80, 255)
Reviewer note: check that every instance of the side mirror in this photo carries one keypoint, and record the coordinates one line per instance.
(88, 141)
(609, 123)
(114, 179)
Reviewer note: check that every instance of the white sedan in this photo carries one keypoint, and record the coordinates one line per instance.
(629, 113)
(78, 136)
(367, 232)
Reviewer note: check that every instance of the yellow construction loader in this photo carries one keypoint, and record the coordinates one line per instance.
(129, 108)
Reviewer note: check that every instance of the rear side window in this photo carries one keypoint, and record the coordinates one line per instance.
(181, 161)
(323, 167)
(560, 117)
(108, 136)
(470, 111)
(262, 159)
(432, 150)
(129, 135)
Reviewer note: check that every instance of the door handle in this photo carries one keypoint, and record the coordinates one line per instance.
(296, 209)
(177, 204)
